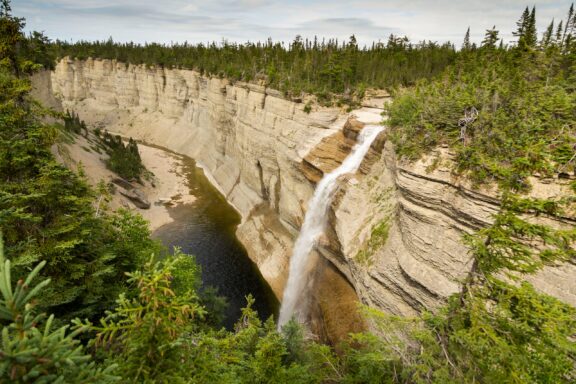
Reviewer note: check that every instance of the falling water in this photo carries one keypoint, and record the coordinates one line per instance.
(313, 226)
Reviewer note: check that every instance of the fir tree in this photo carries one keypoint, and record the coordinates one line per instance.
(466, 46)
(522, 26)
(47, 211)
(37, 354)
(569, 22)
(530, 35)
(559, 30)
(490, 38)
(526, 29)
(548, 37)
(145, 334)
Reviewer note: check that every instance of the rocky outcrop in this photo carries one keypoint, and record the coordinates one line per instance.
(249, 140)
(416, 214)
(395, 229)
(137, 197)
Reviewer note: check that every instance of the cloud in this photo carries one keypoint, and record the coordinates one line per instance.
(241, 20)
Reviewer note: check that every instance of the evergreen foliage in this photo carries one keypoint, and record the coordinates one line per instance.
(466, 45)
(124, 159)
(526, 107)
(147, 334)
(160, 336)
(72, 123)
(329, 69)
(498, 329)
(47, 212)
(30, 354)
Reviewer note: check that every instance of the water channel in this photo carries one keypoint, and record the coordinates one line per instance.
(206, 229)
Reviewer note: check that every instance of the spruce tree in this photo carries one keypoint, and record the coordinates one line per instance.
(490, 38)
(46, 210)
(548, 37)
(32, 351)
(569, 22)
(5, 8)
(569, 29)
(522, 25)
(526, 29)
(11, 37)
(466, 44)
(559, 30)
(146, 334)
(531, 36)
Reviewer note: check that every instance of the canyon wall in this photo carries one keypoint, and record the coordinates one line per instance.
(399, 231)
(394, 230)
(249, 140)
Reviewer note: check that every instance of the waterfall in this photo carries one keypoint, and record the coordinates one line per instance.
(313, 226)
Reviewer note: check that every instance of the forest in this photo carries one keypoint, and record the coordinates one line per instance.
(89, 297)
(523, 97)
(332, 71)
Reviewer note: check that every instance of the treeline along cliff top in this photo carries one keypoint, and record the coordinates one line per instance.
(124, 310)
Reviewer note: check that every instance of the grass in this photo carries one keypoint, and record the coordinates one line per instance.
(378, 238)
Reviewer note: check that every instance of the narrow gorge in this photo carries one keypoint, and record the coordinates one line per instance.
(394, 234)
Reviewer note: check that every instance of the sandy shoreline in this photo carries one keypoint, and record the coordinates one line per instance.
(169, 180)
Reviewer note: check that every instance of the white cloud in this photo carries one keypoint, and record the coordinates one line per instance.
(241, 20)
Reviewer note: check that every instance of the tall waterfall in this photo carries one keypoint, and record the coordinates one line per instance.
(313, 226)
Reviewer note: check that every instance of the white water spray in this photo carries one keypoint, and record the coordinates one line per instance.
(313, 226)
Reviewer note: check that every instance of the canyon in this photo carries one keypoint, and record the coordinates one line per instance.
(394, 234)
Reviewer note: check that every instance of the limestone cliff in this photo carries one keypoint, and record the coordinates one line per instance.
(399, 233)
(395, 229)
(249, 140)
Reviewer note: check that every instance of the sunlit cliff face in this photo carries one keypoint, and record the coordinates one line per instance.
(252, 144)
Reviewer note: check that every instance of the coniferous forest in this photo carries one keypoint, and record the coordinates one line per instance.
(329, 69)
(87, 296)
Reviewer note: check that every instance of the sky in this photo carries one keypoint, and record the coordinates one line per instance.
(167, 21)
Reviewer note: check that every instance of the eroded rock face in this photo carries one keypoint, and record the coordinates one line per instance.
(394, 229)
(419, 259)
(249, 140)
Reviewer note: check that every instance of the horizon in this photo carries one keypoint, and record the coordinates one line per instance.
(242, 21)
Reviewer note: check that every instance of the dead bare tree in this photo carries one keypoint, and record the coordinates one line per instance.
(470, 115)
(563, 169)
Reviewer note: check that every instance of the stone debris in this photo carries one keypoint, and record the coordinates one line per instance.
(137, 197)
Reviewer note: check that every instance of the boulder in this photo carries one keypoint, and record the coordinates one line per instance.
(164, 201)
(122, 183)
(137, 197)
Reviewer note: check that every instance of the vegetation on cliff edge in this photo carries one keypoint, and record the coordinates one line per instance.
(329, 69)
(507, 112)
(154, 328)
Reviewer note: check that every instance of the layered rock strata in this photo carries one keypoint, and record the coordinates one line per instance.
(249, 140)
(395, 229)
(397, 232)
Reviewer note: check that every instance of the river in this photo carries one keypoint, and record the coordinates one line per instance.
(206, 229)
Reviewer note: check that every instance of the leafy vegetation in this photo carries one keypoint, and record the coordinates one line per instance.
(72, 123)
(145, 333)
(47, 212)
(124, 159)
(492, 331)
(525, 102)
(498, 329)
(31, 354)
(328, 69)
(377, 239)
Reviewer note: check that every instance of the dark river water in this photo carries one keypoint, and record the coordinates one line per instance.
(206, 229)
